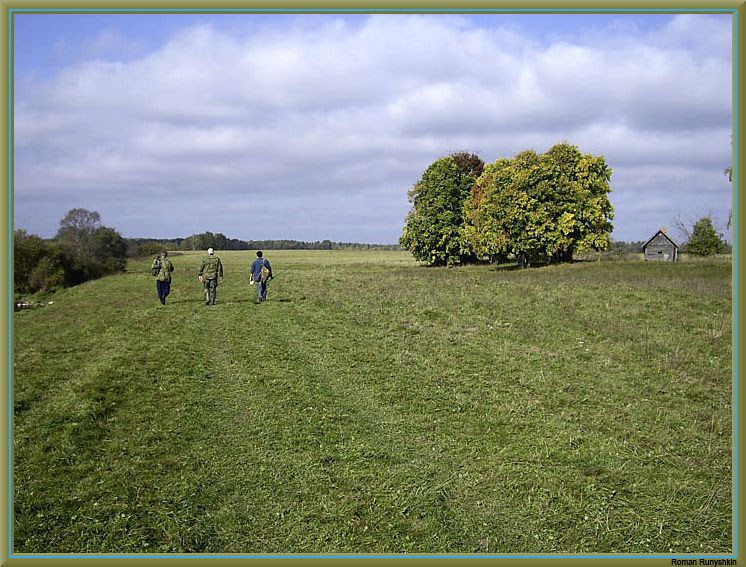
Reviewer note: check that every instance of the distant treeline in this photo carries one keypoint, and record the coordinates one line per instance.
(702, 242)
(82, 250)
(621, 247)
(218, 241)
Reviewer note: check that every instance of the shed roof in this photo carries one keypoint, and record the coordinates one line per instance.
(656, 234)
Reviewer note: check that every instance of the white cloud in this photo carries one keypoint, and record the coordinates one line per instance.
(319, 110)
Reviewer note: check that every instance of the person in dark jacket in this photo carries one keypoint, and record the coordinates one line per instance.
(256, 275)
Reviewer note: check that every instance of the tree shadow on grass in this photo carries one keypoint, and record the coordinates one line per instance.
(201, 301)
(535, 265)
(180, 301)
(506, 268)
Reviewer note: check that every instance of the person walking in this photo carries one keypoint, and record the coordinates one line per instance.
(260, 276)
(210, 271)
(161, 269)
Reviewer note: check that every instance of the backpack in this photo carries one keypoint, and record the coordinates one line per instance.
(156, 269)
(264, 274)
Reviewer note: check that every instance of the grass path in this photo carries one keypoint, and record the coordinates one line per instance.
(392, 409)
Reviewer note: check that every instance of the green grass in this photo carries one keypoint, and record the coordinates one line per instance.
(391, 408)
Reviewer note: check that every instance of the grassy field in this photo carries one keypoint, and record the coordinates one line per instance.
(384, 408)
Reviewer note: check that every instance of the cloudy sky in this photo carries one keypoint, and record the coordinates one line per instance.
(315, 126)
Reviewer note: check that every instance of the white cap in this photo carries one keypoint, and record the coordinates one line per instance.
(210, 251)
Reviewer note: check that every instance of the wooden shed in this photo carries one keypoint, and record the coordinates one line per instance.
(661, 247)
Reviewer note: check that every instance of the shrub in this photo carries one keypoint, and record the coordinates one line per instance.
(48, 275)
(28, 250)
(150, 248)
(704, 241)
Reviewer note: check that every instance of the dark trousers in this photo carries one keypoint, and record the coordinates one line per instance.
(163, 289)
(261, 290)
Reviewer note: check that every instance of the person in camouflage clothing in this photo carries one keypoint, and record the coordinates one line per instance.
(210, 271)
(161, 269)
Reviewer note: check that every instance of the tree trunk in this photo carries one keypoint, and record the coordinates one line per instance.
(564, 256)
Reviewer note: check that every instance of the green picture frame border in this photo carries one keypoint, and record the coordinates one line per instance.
(12, 7)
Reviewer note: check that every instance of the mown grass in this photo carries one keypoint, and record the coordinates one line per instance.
(383, 408)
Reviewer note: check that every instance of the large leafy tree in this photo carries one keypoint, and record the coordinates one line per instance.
(554, 205)
(110, 250)
(76, 232)
(704, 240)
(86, 249)
(501, 216)
(576, 192)
(432, 231)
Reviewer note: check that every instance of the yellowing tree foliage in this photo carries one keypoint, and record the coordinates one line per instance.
(553, 205)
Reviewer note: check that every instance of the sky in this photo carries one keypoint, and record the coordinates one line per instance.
(315, 126)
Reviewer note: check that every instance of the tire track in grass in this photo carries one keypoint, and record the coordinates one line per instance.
(271, 432)
(182, 482)
(108, 425)
(413, 497)
(352, 437)
(312, 446)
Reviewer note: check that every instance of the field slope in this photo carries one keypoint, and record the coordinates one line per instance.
(383, 407)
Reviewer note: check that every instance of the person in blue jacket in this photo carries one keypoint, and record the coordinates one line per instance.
(259, 278)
